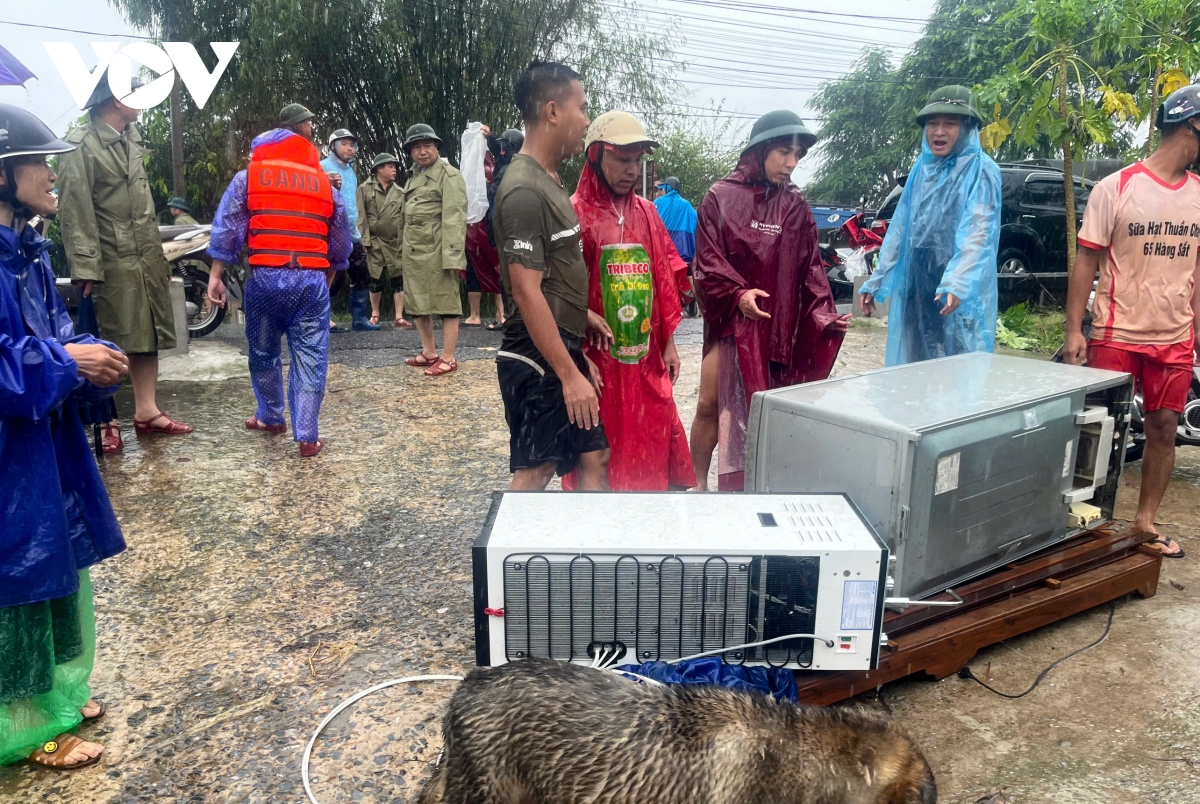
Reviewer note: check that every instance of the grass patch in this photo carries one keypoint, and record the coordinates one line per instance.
(1021, 327)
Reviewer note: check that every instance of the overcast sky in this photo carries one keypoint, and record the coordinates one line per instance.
(746, 56)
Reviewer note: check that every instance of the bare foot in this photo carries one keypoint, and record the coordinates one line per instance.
(473, 322)
(90, 709)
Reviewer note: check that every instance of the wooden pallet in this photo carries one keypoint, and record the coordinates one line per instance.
(1086, 572)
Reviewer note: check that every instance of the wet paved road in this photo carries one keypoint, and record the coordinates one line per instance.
(259, 590)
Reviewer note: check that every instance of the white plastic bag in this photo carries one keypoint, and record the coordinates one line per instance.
(856, 264)
(474, 147)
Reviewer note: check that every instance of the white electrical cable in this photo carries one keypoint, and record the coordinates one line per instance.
(828, 643)
(337, 710)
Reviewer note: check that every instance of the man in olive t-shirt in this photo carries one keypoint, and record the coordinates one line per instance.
(550, 404)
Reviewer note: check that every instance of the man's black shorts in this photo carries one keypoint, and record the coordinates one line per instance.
(538, 426)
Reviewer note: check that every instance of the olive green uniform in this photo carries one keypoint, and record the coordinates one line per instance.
(110, 236)
(381, 222)
(434, 238)
(185, 220)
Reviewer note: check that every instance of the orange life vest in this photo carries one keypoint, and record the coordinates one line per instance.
(291, 206)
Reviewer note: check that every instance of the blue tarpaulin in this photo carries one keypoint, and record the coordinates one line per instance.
(777, 682)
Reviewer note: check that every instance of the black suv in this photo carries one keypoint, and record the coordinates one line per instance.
(1033, 218)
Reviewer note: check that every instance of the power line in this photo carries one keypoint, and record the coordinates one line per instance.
(74, 30)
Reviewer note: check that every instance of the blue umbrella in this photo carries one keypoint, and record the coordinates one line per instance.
(12, 72)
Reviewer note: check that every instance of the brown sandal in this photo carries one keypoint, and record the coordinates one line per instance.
(53, 754)
(440, 367)
(98, 715)
(402, 323)
(421, 361)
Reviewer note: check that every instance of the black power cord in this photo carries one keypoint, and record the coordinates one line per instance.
(966, 671)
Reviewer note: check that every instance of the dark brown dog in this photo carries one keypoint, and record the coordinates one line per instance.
(545, 732)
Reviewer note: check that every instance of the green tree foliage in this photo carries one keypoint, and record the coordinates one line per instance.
(378, 66)
(1161, 40)
(1057, 87)
(870, 136)
(861, 150)
(698, 155)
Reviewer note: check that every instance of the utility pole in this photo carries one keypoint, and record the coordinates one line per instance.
(177, 184)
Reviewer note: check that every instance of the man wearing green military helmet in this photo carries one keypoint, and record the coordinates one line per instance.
(381, 222)
(938, 260)
(181, 212)
(434, 247)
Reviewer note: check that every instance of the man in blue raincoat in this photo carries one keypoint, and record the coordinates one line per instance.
(938, 260)
(680, 219)
(55, 516)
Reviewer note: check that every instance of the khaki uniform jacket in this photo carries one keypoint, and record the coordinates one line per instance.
(381, 223)
(110, 236)
(435, 234)
(184, 220)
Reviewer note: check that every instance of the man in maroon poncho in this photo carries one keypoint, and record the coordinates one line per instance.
(769, 316)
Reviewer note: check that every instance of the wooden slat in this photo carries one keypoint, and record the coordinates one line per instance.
(942, 648)
(1079, 554)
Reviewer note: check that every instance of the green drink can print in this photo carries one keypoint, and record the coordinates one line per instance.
(628, 293)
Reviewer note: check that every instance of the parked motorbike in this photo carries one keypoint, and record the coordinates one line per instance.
(185, 248)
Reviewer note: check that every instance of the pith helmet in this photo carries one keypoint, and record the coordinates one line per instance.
(1182, 104)
(294, 114)
(617, 128)
(342, 134)
(384, 159)
(178, 203)
(951, 99)
(23, 134)
(103, 90)
(417, 133)
(782, 123)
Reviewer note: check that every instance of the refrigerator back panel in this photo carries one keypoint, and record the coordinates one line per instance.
(961, 464)
(659, 577)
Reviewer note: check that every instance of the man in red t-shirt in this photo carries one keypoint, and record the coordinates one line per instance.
(1141, 231)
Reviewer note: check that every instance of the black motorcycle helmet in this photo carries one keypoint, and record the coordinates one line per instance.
(23, 134)
(514, 138)
(1181, 105)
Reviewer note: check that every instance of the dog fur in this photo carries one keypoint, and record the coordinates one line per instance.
(544, 732)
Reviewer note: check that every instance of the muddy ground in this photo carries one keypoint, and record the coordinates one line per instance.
(260, 590)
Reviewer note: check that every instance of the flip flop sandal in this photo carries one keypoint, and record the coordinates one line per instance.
(310, 449)
(98, 715)
(173, 427)
(437, 370)
(110, 440)
(402, 323)
(473, 325)
(495, 326)
(254, 424)
(53, 754)
(373, 320)
(421, 361)
(1166, 543)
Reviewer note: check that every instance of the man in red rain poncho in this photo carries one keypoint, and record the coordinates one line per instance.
(769, 316)
(633, 278)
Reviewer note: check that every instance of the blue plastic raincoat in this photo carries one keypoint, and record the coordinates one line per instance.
(680, 219)
(55, 516)
(943, 239)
